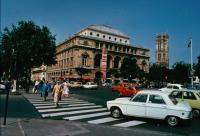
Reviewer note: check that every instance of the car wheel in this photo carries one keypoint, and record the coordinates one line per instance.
(195, 113)
(172, 121)
(116, 112)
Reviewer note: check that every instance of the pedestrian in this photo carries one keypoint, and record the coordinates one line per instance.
(65, 89)
(44, 89)
(57, 92)
(35, 89)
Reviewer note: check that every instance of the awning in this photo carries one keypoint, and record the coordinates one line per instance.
(87, 78)
(71, 76)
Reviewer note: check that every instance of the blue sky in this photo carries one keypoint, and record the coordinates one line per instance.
(142, 20)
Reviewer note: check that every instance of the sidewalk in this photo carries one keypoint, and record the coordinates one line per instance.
(24, 120)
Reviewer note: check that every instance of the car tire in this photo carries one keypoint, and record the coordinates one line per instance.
(172, 120)
(116, 112)
(195, 113)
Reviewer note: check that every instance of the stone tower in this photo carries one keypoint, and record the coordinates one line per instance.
(162, 50)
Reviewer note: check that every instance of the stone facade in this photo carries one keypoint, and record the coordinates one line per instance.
(162, 50)
(39, 73)
(84, 50)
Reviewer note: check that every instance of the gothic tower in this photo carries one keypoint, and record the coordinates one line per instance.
(162, 50)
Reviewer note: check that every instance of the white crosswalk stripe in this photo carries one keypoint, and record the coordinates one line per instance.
(78, 109)
(129, 124)
(43, 104)
(72, 112)
(76, 100)
(74, 108)
(103, 120)
(86, 116)
(70, 105)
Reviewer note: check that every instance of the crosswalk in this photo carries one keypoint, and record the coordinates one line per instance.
(77, 109)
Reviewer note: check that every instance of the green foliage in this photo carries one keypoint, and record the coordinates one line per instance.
(113, 72)
(81, 71)
(26, 46)
(129, 68)
(157, 73)
(197, 68)
(180, 72)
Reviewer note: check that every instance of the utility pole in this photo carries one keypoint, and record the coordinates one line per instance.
(191, 71)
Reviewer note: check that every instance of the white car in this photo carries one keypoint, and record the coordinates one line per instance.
(151, 104)
(172, 87)
(90, 85)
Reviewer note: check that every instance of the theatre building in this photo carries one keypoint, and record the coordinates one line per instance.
(84, 49)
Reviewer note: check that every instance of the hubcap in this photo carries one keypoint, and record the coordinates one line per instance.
(195, 113)
(116, 113)
(172, 121)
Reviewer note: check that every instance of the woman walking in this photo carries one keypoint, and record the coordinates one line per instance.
(65, 89)
(57, 92)
(44, 89)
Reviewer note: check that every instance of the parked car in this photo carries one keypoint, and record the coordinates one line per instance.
(2, 87)
(151, 104)
(76, 85)
(119, 86)
(171, 87)
(130, 90)
(190, 96)
(90, 85)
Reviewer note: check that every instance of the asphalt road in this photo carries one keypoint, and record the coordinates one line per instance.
(101, 95)
(20, 107)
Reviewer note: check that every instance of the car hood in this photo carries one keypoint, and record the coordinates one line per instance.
(123, 99)
(184, 105)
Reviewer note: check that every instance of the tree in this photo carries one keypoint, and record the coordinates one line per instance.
(197, 68)
(157, 74)
(26, 46)
(129, 68)
(113, 72)
(81, 71)
(180, 72)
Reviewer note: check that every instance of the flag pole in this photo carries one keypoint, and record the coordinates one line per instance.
(191, 63)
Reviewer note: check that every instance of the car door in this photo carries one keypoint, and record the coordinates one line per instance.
(137, 105)
(168, 88)
(156, 107)
(190, 98)
(178, 95)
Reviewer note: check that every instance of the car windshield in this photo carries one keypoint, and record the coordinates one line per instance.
(174, 101)
(198, 93)
(182, 86)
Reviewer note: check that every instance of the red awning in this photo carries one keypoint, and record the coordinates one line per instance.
(71, 76)
(87, 78)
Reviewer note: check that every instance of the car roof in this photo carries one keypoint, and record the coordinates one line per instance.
(154, 92)
(188, 90)
(175, 84)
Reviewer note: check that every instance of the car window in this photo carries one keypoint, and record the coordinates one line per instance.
(189, 95)
(140, 98)
(156, 99)
(174, 101)
(175, 87)
(177, 94)
(169, 86)
(198, 94)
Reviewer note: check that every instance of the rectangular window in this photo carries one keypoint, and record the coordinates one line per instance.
(115, 48)
(159, 57)
(140, 98)
(156, 99)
